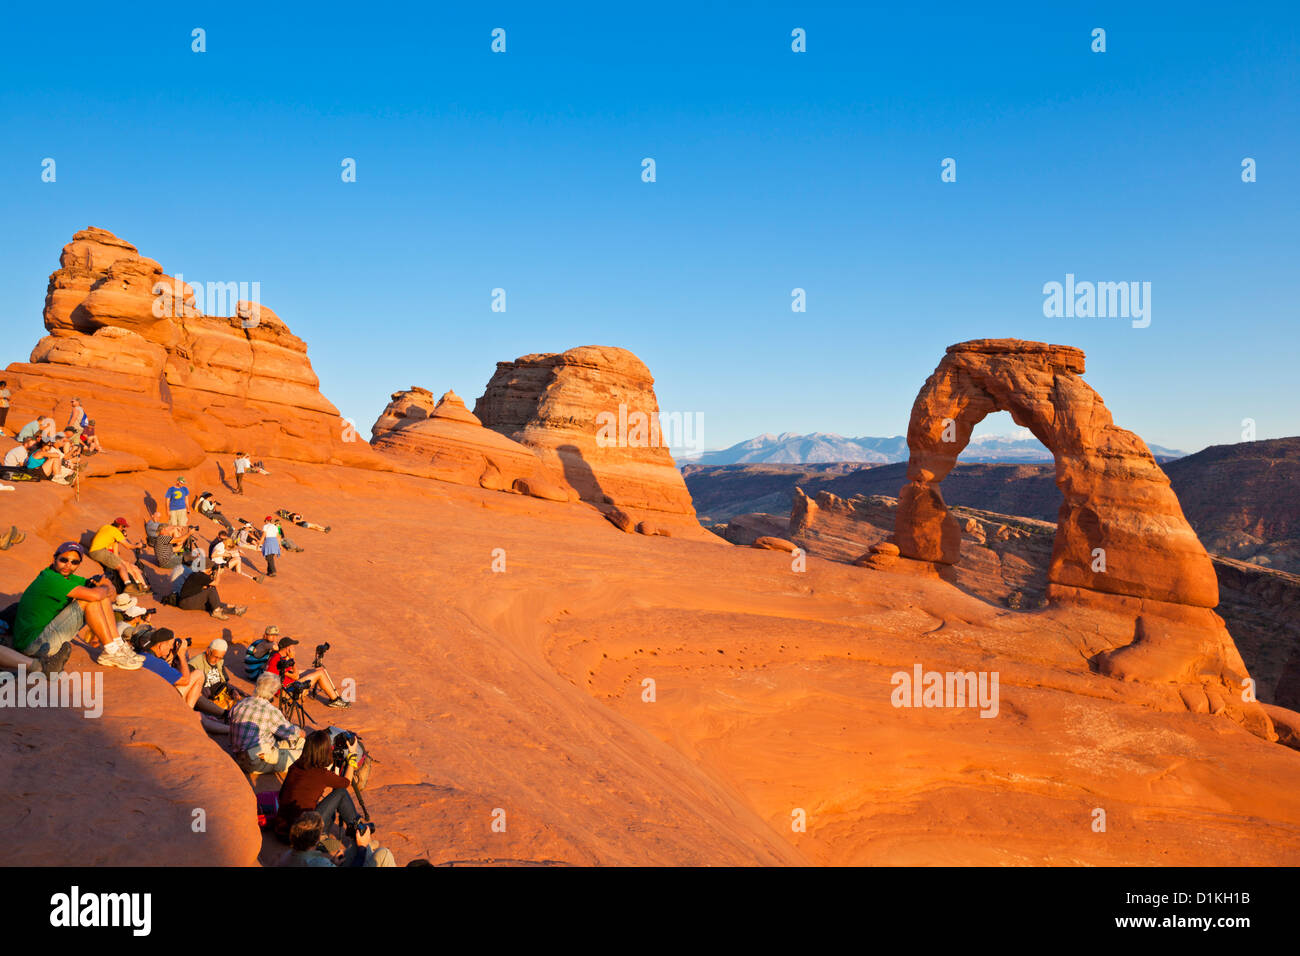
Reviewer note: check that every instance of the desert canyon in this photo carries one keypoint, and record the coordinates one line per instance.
(541, 631)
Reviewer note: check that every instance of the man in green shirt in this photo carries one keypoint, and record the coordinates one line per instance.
(58, 605)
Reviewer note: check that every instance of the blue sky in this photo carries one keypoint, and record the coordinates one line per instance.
(775, 170)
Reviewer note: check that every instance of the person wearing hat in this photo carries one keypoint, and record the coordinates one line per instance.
(89, 440)
(209, 506)
(132, 619)
(166, 658)
(104, 550)
(270, 544)
(177, 498)
(60, 605)
(218, 692)
(283, 666)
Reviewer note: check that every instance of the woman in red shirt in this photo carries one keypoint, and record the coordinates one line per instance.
(310, 777)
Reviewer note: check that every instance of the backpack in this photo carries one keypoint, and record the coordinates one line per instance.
(255, 664)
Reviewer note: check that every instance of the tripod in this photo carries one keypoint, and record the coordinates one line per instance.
(292, 707)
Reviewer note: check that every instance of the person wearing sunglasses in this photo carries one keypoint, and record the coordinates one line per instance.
(60, 605)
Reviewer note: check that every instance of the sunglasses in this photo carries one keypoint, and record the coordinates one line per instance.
(72, 561)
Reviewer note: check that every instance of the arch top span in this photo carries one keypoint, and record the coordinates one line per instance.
(1120, 529)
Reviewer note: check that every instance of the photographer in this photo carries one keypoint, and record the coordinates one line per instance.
(308, 780)
(166, 658)
(261, 739)
(132, 619)
(317, 679)
(218, 694)
(208, 506)
(305, 838)
(199, 593)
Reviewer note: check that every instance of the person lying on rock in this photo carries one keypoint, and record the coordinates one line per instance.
(166, 658)
(262, 740)
(60, 605)
(298, 519)
(219, 694)
(223, 554)
(208, 506)
(313, 784)
(104, 549)
(283, 665)
(199, 593)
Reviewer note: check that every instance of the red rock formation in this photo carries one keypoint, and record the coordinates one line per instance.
(445, 437)
(226, 383)
(1122, 544)
(1116, 498)
(591, 415)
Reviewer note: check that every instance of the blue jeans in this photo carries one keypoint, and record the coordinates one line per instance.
(338, 801)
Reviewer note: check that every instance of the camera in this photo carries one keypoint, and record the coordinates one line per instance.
(365, 826)
(295, 689)
(320, 655)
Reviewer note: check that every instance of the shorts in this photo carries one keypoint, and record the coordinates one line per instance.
(180, 517)
(107, 558)
(59, 631)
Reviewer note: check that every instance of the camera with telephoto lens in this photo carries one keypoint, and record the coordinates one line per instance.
(295, 690)
(320, 655)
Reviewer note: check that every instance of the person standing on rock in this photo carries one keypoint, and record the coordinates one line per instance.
(177, 498)
(270, 544)
(5, 395)
(242, 464)
(78, 418)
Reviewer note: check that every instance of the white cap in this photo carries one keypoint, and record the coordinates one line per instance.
(219, 645)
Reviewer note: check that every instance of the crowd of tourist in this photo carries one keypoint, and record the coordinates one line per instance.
(61, 607)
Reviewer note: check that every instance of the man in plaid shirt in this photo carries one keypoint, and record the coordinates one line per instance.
(261, 739)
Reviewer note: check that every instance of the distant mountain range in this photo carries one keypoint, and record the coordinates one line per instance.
(821, 447)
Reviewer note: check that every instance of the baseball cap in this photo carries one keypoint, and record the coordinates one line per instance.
(69, 546)
(286, 642)
(121, 522)
(180, 480)
(164, 635)
(268, 518)
(272, 631)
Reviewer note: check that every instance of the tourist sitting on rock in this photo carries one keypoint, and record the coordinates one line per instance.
(199, 593)
(168, 542)
(17, 456)
(318, 679)
(219, 694)
(258, 654)
(59, 605)
(223, 554)
(132, 619)
(166, 658)
(46, 462)
(312, 784)
(262, 740)
(90, 440)
(208, 506)
(310, 847)
(104, 549)
(42, 427)
(302, 522)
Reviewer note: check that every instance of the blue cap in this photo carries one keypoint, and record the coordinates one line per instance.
(69, 546)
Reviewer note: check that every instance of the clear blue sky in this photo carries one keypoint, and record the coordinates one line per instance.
(775, 170)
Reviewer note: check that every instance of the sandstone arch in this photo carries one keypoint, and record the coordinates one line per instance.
(1116, 498)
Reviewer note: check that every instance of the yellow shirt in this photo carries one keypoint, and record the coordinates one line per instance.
(106, 537)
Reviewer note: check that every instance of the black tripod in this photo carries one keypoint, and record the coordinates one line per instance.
(291, 704)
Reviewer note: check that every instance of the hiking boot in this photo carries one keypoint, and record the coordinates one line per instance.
(54, 663)
(327, 529)
(119, 655)
(7, 539)
(338, 703)
(239, 610)
(257, 578)
(220, 614)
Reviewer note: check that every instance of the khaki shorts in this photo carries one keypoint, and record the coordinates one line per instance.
(107, 559)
